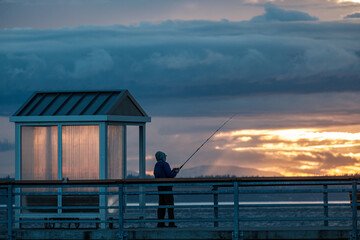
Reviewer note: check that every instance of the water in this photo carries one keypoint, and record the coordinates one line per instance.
(201, 211)
(286, 210)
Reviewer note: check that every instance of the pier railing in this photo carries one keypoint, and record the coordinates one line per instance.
(238, 204)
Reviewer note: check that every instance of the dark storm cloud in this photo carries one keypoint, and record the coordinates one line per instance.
(181, 61)
(353, 15)
(274, 13)
(5, 145)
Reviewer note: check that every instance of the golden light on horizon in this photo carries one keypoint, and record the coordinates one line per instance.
(299, 152)
(354, 1)
(296, 134)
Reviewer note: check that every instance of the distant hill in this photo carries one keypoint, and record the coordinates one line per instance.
(7, 178)
(224, 171)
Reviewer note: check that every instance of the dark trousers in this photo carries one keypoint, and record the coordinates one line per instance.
(165, 199)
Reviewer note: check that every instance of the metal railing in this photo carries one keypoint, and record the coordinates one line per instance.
(235, 204)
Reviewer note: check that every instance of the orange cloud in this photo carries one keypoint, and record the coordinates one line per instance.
(299, 152)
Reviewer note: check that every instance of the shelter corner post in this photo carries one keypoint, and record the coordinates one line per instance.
(17, 172)
(142, 151)
(142, 169)
(103, 172)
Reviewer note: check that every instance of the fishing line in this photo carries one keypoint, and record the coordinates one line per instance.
(207, 140)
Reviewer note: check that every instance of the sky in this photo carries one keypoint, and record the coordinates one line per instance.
(289, 70)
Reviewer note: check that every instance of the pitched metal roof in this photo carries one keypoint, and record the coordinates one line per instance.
(79, 103)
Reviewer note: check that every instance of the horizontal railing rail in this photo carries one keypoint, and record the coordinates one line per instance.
(229, 203)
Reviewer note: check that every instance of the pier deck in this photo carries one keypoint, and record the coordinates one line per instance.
(188, 234)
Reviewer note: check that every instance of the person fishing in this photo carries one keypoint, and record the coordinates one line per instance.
(162, 170)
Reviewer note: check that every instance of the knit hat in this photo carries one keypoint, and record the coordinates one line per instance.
(160, 156)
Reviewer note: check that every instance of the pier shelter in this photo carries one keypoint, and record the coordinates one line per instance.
(75, 135)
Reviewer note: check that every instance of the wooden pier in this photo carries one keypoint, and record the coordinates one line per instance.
(187, 234)
(205, 209)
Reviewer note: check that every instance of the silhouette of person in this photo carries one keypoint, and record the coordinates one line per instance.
(162, 170)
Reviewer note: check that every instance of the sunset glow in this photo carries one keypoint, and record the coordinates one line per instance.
(355, 1)
(311, 151)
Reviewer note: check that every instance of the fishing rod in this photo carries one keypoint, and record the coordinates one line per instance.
(207, 140)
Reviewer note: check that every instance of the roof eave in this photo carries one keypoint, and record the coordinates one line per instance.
(25, 103)
(82, 118)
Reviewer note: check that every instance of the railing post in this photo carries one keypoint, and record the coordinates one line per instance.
(10, 212)
(17, 198)
(60, 200)
(326, 202)
(354, 211)
(216, 203)
(121, 212)
(103, 207)
(236, 211)
(142, 204)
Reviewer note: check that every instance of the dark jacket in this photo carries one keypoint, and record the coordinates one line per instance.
(162, 170)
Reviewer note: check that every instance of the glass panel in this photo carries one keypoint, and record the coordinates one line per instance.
(80, 160)
(115, 161)
(39, 152)
(115, 151)
(80, 152)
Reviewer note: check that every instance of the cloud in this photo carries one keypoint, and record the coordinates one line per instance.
(96, 62)
(287, 71)
(46, 14)
(244, 66)
(274, 13)
(297, 151)
(186, 59)
(328, 60)
(352, 15)
(255, 142)
(26, 66)
(5, 145)
(328, 160)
